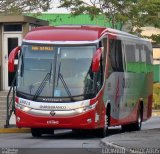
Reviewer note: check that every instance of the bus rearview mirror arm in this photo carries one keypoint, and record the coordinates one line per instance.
(11, 58)
(96, 60)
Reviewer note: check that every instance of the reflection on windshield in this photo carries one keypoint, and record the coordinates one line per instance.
(72, 63)
(36, 64)
(75, 63)
(43, 84)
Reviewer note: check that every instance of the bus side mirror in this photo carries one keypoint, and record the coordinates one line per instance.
(11, 58)
(96, 60)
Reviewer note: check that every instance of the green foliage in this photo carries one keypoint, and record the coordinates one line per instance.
(147, 13)
(115, 11)
(156, 38)
(138, 13)
(23, 6)
(156, 96)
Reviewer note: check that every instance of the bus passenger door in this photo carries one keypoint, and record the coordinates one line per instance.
(114, 80)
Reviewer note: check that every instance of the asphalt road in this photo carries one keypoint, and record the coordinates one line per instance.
(64, 141)
(153, 123)
(146, 141)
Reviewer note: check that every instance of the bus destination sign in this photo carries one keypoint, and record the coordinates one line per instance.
(42, 48)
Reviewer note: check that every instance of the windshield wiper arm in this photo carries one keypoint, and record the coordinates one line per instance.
(65, 85)
(41, 87)
(60, 76)
(43, 84)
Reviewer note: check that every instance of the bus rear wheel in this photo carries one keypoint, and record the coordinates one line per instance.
(137, 126)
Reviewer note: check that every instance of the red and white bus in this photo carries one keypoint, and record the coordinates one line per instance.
(82, 77)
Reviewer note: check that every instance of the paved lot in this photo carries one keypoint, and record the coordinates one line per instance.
(146, 141)
(65, 141)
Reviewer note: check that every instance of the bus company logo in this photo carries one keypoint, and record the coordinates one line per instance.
(52, 113)
(50, 107)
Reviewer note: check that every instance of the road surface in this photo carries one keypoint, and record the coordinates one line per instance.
(64, 141)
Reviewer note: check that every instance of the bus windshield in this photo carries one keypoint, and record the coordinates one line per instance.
(56, 71)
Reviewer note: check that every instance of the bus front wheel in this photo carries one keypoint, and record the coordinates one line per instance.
(103, 132)
(36, 132)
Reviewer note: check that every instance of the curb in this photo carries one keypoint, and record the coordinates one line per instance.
(14, 130)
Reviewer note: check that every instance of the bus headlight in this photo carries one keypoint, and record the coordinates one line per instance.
(86, 108)
(23, 108)
(26, 109)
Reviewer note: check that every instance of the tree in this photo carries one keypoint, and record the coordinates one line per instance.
(145, 13)
(156, 38)
(23, 6)
(115, 11)
(136, 12)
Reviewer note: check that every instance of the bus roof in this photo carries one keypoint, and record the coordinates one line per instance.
(73, 33)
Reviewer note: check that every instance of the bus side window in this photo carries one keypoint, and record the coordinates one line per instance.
(100, 74)
(115, 55)
(110, 69)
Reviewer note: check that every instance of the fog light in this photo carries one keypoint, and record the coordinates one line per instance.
(89, 120)
(18, 119)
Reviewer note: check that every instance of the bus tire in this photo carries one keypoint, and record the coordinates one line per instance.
(76, 130)
(137, 126)
(103, 132)
(36, 132)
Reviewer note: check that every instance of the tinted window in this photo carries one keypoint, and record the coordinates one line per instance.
(12, 27)
(130, 53)
(116, 55)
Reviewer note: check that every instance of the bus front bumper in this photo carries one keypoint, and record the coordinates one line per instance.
(81, 121)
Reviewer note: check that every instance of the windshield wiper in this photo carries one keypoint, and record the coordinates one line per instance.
(43, 84)
(60, 76)
(65, 85)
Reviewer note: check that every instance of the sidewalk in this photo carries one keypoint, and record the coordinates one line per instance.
(13, 128)
(144, 142)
